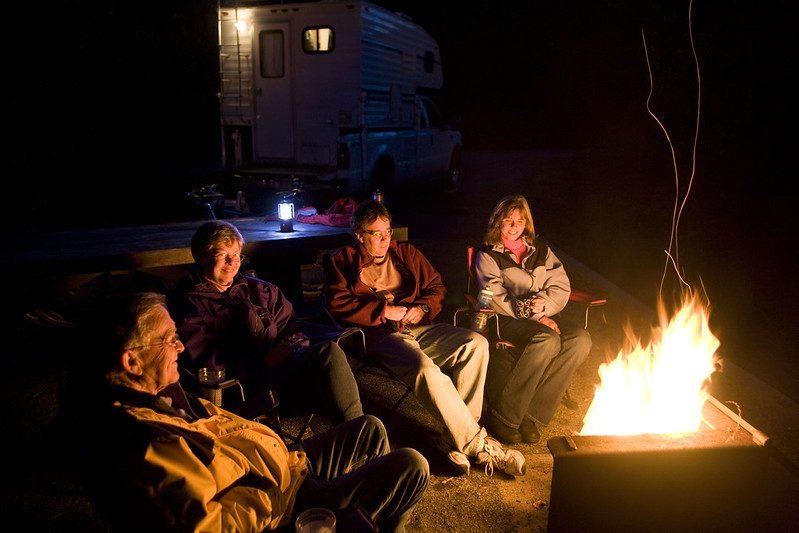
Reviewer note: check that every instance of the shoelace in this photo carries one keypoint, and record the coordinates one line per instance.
(488, 455)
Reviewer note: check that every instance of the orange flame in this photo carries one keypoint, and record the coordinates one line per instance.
(660, 388)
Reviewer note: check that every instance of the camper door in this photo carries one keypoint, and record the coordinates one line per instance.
(274, 131)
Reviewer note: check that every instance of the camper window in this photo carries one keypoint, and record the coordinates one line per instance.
(318, 40)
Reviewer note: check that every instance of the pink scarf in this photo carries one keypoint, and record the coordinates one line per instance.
(517, 247)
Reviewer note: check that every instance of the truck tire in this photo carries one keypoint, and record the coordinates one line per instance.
(452, 179)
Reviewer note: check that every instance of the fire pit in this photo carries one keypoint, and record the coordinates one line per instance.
(708, 480)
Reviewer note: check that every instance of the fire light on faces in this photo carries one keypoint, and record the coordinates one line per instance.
(659, 388)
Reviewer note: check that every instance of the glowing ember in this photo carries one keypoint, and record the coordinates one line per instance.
(659, 388)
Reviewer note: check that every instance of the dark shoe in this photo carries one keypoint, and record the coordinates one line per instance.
(568, 401)
(529, 431)
(501, 432)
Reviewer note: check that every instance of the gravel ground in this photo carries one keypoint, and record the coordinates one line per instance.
(42, 489)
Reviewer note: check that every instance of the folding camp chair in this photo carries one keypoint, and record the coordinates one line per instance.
(578, 296)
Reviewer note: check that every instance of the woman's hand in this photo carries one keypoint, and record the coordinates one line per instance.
(545, 320)
(538, 305)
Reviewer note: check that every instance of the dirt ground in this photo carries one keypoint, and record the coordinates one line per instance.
(42, 491)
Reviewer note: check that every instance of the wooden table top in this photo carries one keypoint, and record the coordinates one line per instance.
(160, 245)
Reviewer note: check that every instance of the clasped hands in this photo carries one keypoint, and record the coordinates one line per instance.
(538, 306)
(404, 315)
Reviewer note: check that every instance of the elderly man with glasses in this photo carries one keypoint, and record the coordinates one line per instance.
(392, 291)
(156, 458)
(247, 326)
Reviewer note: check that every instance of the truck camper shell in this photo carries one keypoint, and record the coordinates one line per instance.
(329, 92)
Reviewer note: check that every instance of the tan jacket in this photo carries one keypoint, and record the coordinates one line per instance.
(215, 473)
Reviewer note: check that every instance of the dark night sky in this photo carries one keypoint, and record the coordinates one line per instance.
(113, 117)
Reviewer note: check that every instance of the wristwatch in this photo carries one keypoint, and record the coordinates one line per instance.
(424, 307)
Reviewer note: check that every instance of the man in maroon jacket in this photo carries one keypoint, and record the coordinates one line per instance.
(392, 291)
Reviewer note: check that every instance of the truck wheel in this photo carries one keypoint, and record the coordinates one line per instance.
(452, 179)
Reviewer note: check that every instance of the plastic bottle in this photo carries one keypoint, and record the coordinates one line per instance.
(480, 318)
(485, 298)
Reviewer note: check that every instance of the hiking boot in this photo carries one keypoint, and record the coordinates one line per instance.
(493, 455)
(529, 431)
(503, 433)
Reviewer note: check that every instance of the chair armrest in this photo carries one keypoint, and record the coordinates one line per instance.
(587, 298)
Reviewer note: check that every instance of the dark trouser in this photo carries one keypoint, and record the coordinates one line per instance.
(531, 379)
(318, 378)
(352, 465)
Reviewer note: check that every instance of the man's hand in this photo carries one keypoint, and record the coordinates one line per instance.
(413, 315)
(396, 312)
(545, 320)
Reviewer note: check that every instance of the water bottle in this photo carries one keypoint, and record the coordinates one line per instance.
(485, 298)
(480, 318)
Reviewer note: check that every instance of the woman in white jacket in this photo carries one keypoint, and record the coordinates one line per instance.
(530, 288)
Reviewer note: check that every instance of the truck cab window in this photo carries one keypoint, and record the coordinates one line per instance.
(434, 116)
(271, 47)
(318, 40)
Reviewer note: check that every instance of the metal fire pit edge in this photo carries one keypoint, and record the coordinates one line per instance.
(705, 481)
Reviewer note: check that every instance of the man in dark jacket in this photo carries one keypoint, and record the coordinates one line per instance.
(246, 326)
(393, 292)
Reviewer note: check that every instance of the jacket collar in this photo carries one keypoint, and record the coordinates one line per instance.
(365, 258)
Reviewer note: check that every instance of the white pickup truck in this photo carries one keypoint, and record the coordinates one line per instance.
(330, 95)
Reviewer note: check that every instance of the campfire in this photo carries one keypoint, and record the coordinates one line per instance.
(657, 452)
(660, 387)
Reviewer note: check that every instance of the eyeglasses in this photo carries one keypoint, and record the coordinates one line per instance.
(377, 233)
(174, 341)
(512, 222)
(229, 258)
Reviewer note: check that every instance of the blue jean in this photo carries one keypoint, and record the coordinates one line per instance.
(353, 465)
(446, 366)
(532, 378)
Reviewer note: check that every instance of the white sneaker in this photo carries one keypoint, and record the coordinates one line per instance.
(457, 458)
(510, 461)
(459, 461)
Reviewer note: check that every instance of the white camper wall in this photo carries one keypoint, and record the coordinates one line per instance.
(392, 66)
(369, 80)
(326, 85)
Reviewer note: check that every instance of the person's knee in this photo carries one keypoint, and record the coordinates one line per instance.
(373, 425)
(330, 353)
(476, 346)
(582, 343)
(545, 342)
(413, 463)
(417, 461)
